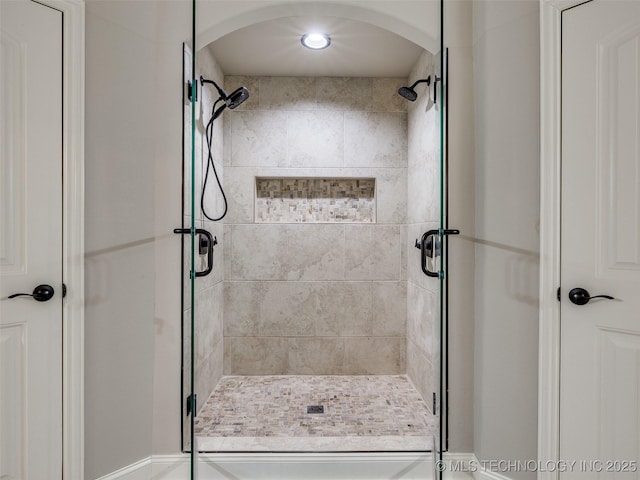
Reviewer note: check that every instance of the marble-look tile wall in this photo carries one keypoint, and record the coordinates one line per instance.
(316, 298)
(423, 212)
(208, 290)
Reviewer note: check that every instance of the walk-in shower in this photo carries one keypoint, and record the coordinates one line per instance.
(317, 330)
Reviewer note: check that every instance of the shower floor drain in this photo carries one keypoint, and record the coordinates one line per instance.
(315, 409)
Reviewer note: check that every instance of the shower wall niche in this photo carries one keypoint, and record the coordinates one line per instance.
(315, 200)
(326, 298)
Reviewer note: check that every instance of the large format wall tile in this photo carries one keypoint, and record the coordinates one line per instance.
(288, 309)
(375, 355)
(422, 312)
(372, 252)
(258, 138)
(389, 307)
(209, 372)
(422, 372)
(258, 252)
(242, 302)
(391, 186)
(344, 309)
(375, 139)
(315, 139)
(326, 298)
(316, 356)
(385, 95)
(345, 93)
(208, 320)
(314, 252)
(405, 246)
(255, 356)
(423, 192)
(240, 185)
(288, 93)
(314, 308)
(287, 252)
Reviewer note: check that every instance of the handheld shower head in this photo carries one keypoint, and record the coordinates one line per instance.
(409, 93)
(237, 97)
(234, 100)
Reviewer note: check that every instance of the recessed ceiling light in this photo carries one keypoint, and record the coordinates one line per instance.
(316, 41)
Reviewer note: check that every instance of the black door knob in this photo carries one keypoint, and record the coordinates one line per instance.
(580, 296)
(41, 293)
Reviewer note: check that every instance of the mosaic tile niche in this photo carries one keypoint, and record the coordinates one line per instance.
(315, 200)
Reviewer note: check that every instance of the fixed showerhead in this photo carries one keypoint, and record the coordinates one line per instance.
(237, 97)
(409, 93)
(234, 100)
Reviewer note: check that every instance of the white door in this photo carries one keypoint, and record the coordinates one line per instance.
(600, 340)
(30, 241)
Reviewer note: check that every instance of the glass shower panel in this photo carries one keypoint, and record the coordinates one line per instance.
(186, 244)
(445, 231)
(440, 331)
(190, 237)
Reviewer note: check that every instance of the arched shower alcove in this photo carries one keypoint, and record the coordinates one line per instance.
(299, 307)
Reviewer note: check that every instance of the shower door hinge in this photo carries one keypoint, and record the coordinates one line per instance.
(190, 90)
(434, 403)
(191, 403)
(559, 295)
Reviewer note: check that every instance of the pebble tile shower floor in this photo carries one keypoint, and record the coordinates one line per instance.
(361, 413)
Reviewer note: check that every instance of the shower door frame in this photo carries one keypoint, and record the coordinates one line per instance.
(444, 304)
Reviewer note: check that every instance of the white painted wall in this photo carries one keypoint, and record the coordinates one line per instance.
(119, 233)
(133, 185)
(505, 76)
(461, 216)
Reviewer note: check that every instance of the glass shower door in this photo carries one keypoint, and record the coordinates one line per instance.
(196, 256)
(434, 263)
(190, 249)
(444, 233)
(202, 343)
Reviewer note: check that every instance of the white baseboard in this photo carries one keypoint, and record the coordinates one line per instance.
(319, 466)
(141, 470)
(481, 473)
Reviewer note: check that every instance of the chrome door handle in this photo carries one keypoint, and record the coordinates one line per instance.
(580, 296)
(41, 293)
